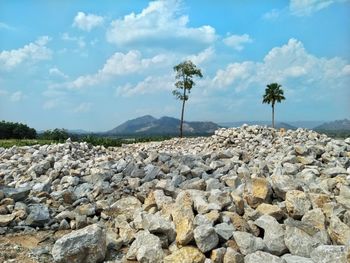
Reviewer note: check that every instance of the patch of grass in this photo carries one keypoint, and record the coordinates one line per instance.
(8, 143)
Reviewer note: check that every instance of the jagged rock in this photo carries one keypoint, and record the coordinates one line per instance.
(260, 256)
(17, 194)
(206, 238)
(146, 248)
(87, 245)
(338, 231)
(217, 255)
(232, 256)
(289, 258)
(187, 254)
(248, 243)
(329, 254)
(125, 206)
(297, 203)
(257, 192)
(38, 215)
(224, 230)
(183, 218)
(273, 234)
(271, 210)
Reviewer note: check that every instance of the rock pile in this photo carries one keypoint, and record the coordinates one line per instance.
(249, 194)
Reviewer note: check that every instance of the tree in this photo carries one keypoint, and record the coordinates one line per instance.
(273, 94)
(185, 72)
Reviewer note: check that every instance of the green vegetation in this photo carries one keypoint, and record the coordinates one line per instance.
(59, 135)
(339, 134)
(8, 143)
(14, 130)
(273, 94)
(185, 72)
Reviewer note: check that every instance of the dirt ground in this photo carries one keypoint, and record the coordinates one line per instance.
(28, 247)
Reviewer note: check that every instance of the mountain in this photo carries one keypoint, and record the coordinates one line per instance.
(278, 125)
(338, 125)
(148, 125)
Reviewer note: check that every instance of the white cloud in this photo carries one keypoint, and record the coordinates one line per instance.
(149, 85)
(78, 40)
(202, 57)
(57, 73)
(272, 15)
(83, 107)
(289, 65)
(87, 22)
(5, 26)
(160, 21)
(117, 65)
(307, 7)
(17, 96)
(32, 52)
(237, 41)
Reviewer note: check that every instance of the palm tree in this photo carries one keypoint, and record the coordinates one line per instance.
(273, 94)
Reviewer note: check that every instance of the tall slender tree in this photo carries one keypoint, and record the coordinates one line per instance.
(273, 94)
(185, 72)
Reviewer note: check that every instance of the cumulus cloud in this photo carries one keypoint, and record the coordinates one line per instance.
(202, 56)
(87, 22)
(117, 65)
(149, 85)
(237, 41)
(31, 52)
(307, 7)
(159, 21)
(17, 96)
(57, 73)
(289, 64)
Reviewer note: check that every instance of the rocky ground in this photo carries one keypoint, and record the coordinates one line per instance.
(250, 194)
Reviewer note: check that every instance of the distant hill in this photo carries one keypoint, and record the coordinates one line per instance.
(261, 123)
(148, 125)
(338, 125)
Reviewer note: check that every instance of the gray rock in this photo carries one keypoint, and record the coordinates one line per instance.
(146, 248)
(17, 194)
(39, 215)
(248, 243)
(87, 245)
(297, 203)
(273, 234)
(260, 256)
(329, 254)
(289, 258)
(205, 237)
(224, 230)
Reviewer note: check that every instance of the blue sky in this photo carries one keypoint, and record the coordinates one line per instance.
(94, 64)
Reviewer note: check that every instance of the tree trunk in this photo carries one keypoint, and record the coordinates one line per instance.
(273, 115)
(182, 113)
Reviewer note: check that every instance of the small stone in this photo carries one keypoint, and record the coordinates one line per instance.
(125, 206)
(38, 215)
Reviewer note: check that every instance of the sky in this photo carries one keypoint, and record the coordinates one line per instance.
(94, 64)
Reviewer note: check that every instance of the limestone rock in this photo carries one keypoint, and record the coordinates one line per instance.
(187, 254)
(297, 203)
(329, 254)
(260, 256)
(248, 243)
(206, 238)
(87, 245)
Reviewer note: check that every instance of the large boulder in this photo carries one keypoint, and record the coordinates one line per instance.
(86, 245)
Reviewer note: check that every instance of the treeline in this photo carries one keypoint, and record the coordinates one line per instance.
(14, 130)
